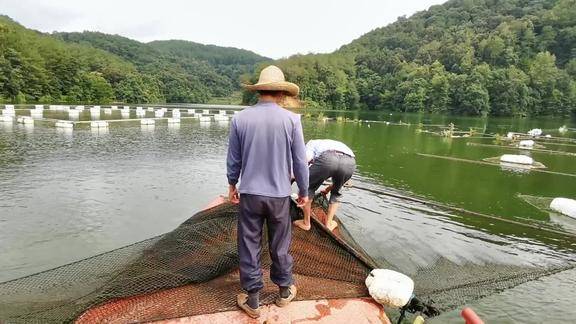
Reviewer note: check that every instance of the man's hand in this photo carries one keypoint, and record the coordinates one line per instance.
(302, 201)
(233, 195)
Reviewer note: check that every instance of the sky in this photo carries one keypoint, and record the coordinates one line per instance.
(271, 28)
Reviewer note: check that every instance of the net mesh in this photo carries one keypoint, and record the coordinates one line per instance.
(193, 270)
(189, 271)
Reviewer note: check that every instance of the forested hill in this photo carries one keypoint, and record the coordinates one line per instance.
(99, 68)
(475, 57)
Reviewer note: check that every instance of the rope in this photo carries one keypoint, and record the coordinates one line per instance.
(531, 150)
(490, 163)
(462, 210)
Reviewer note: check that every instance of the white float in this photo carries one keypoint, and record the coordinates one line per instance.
(173, 120)
(176, 113)
(99, 124)
(526, 144)
(147, 121)
(150, 109)
(96, 107)
(140, 113)
(517, 159)
(159, 113)
(205, 111)
(222, 112)
(564, 206)
(126, 107)
(9, 107)
(39, 107)
(8, 112)
(25, 120)
(6, 119)
(125, 114)
(205, 119)
(535, 132)
(114, 107)
(191, 111)
(80, 108)
(64, 124)
(390, 288)
(563, 129)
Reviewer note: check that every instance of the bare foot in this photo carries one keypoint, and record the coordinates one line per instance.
(300, 223)
(332, 225)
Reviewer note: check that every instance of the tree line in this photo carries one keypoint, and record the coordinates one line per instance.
(98, 68)
(469, 57)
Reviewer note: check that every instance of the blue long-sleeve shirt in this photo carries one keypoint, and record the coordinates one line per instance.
(266, 146)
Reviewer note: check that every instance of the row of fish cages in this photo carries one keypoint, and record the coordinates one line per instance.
(62, 116)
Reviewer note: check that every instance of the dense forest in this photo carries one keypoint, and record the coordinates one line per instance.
(93, 67)
(473, 57)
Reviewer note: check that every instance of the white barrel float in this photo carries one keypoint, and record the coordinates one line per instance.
(150, 109)
(7, 112)
(114, 107)
(176, 113)
(563, 129)
(25, 120)
(79, 108)
(6, 119)
(173, 120)
(39, 107)
(564, 206)
(205, 111)
(390, 288)
(138, 108)
(526, 144)
(108, 111)
(159, 113)
(99, 124)
(535, 132)
(9, 107)
(517, 159)
(140, 113)
(126, 108)
(222, 112)
(147, 121)
(191, 111)
(64, 124)
(205, 119)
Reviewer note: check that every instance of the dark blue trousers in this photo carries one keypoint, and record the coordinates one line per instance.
(254, 210)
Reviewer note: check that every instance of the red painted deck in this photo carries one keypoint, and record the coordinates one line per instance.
(350, 311)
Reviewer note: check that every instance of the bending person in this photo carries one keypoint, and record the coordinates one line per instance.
(328, 159)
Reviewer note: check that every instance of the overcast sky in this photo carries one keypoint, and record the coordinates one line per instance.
(270, 28)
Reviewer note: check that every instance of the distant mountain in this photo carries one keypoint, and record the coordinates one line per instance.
(472, 57)
(93, 67)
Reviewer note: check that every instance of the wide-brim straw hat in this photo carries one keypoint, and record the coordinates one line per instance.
(272, 79)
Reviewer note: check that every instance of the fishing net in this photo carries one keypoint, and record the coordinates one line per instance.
(189, 271)
(193, 270)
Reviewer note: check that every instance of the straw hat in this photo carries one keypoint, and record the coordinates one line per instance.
(272, 79)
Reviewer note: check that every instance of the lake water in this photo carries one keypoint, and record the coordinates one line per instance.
(69, 195)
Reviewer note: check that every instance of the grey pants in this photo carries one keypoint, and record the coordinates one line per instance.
(331, 164)
(254, 210)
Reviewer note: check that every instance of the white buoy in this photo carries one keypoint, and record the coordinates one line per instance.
(6, 119)
(205, 111)
(563, 129)
(176, 113)
(80, 108)
(191, 111)
(95, 110)
(205, 119)
(140, 113)
(99, 124)
(96, 107)
(548, 136)
(390, 288)
(8, 112)
(125, 114)
(526, 144)
(9, 107)
(150, 109)
(126, 107)
(222, 112)
(535, 132)
(25, 120)
(138, 108)
(564, 206)
(173, 120)
(64, 124)
(517, 159)
(146, 121)
(114, 107)
(39, 107)
(159, 113)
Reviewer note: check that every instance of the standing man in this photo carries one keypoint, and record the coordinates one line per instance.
(266, 145)
(329, 159)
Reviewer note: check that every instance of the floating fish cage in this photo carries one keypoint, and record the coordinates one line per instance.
(99, 124)
(517, 161)
(25, 120)
(64, 124)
